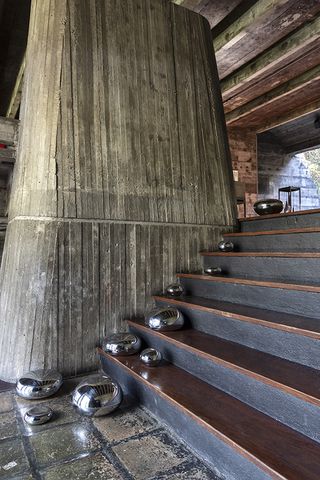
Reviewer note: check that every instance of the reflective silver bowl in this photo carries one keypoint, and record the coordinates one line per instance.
(213, 271)
(122, 343)
(268, 207)
(165, 319)
(225, 246)
(38, 384)
(175, 290)
(97, 395)
(151, 357)
(38, 415)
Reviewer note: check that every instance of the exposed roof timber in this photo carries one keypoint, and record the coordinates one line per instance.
(8, 130)
(284, 90)
(289, 116)
(235, 10)
(17, 92)
(7, 155)
(269, 60)
(237, 29)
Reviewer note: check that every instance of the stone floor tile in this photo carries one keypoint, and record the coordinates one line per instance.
(150, 455)
(6, 402)
(63, 412)
(8, 425)
(95, 467)
(13, 460)
(62, 443)
(188, 471)
(124, 423)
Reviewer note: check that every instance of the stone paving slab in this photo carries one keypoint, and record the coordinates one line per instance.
(129, 444)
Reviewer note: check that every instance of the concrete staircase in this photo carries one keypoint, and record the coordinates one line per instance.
(241, 381)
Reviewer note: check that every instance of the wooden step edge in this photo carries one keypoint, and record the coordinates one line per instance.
(239, 317)
(199, 420)
(279, 215)
(257, 283)
(287, 231)
(262, 254)
(232, 366)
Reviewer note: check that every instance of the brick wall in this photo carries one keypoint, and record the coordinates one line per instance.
(243, 147)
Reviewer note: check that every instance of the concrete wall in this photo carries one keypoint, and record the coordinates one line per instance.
(278, 169)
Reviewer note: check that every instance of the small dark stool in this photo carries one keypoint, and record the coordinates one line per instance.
(288, 191)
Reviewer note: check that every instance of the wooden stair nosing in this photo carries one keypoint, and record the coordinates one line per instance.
(237, 316)
(273, 232)
(296, 440)
(262, 254)
(169, 337)
(279, 215)
(255, 283)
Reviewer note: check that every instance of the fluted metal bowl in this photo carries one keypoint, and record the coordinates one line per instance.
(225, 246)
(97, 395)
(38, 384)
(268, 207)
(165, 319)
(213, 271)
(122, 343)
(38, 415)
(151, 357)
(175, 290)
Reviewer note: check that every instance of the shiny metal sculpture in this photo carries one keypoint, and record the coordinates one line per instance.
(97, 395)
(38, 415)
(268, 206)
(165, 319)
(38, 384)
(151, 357)
(225, 246)
(213, 271)
(122, 343)
(174, 290)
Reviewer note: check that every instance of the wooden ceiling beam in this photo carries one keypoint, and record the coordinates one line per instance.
(17, 92)
(8, 130)
(289, 116)
(7, 155)
(283, 90)
(268, 61)
(303, 146)
(237, 29)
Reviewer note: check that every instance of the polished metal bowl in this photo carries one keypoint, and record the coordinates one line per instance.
(226, 246)
(165, 319)
(151, 357)
(268, 207)
(38, 384)
(97, 395)
(175, 290)
(38, 415)
(122, 343)
(213, 271)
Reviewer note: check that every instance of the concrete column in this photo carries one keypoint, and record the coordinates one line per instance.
(123, 174)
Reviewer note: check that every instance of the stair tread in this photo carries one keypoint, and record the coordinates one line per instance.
(299, 380)
(270, 318)
(252, 282)
(263, 254)
(273, 232)
(276, 448)
(279, 215)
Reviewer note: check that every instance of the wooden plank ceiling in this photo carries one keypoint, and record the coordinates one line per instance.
(267, 52)
(268, 56)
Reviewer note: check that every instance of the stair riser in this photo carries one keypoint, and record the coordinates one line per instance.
(268, 399)
(291, 221)
(224, 459)
(293, 242)
(291, 270)
(288, 301)
(296, 348)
